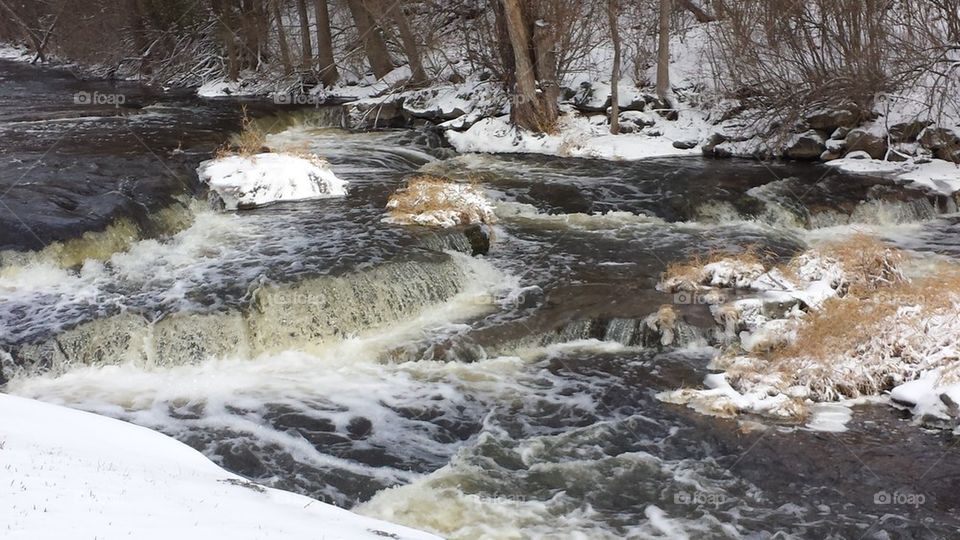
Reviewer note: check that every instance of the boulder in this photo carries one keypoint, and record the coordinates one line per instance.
(935, 138)
(807, 146)
(840, 134)
(863, 140)
(831, 119)
(589, 99)
(907, 131)
(685, 144)
(633, 121)
(710, 145)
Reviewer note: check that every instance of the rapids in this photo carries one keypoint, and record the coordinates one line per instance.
(391, 370)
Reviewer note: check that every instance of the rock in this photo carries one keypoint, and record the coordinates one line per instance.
(369, 114)
(244, 182)
(829, 155)
(858, 154)
(710, 145)
(807, 146)
(831, 119)
(587, 101)
(933, 138)
(479, 239)
(862, 140)
(950, 153)
(685, 144)
(634, 121)
(839, 134)
(907, 131)
(670, 114)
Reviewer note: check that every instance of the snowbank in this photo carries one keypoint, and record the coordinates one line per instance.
(252, 181)
(936, 175)
(439, 203)
(15, 53)
(71, 474)
(588, 137)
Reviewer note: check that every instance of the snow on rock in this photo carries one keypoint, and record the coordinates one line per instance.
(936, 175)
(72, 474)
(437, 202)
(250, 181)
(876, 330)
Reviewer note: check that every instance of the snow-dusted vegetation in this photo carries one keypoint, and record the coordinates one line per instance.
(439, 203)
(839, 322)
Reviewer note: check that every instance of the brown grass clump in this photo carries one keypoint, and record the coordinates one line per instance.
(249, 141)
(868, 263)
(428, 198)
(689, 275)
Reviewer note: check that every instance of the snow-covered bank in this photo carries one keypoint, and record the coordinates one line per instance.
(78, 475)
(589, 137)
(840, 322)
(250, 181)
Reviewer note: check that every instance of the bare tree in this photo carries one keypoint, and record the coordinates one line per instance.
(282, 37)
(327, 64)
(663, 52)
(373, 44)
(306, 61)
(410, 46)
(613, 9)
(533, 108)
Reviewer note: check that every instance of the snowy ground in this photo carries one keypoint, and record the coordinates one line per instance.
(72, 474)
(252, 181)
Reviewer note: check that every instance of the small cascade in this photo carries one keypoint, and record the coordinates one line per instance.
(303, 316)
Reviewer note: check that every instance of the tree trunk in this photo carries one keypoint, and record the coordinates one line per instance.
(369, 34)
(529, 109)
(282, 38)
(663, 52)
(613, 10)
(409, 40)
(224, 16)
(138, 33)
(306, 60)
(327, 65)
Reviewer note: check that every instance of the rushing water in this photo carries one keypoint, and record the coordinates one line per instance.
(312, 347)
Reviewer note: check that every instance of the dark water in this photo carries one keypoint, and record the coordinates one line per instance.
(508, 403)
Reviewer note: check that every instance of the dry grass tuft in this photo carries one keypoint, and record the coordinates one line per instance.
(249, 141)
(428, 198)
(868, 263)
(689, 275)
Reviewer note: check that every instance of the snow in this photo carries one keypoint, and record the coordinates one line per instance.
(923, 396)
(72, 474)
(584, 137)
(257, 180)
(438, 203)
(935, 174)
(15, 53)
